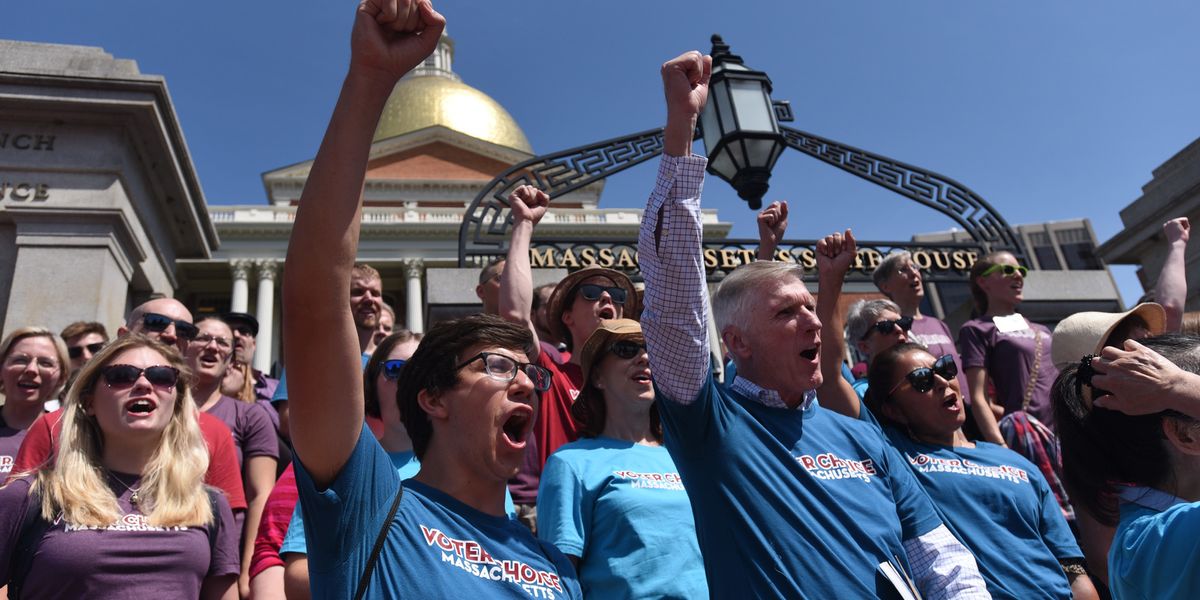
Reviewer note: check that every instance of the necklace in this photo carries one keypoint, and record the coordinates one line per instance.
(134, 493)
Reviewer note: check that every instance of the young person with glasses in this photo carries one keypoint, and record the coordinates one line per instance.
(613, 501)
(33, 370)
(996, 502)
(468, 395)
(83, 339)
(576, 307)
(123, 512)
(208, 355)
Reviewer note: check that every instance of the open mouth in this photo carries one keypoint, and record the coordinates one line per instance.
(643, 378)
(607, 312)
(28, 385)
(516, 428)
(812, 353)
(140, 407)
(951, 402)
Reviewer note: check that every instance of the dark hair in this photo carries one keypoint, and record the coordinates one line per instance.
(375, 365)
(432, 366)
(881, 377)
(81, 328)
(984, 263)
(590, 412)
(1104, 447)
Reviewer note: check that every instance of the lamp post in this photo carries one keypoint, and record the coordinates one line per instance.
(739, 126)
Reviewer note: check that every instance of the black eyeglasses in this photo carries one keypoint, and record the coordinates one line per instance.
(504, 368)
(122, 376)
(922, 378)
(885, 327)
(626, 349)
(392, 368)
(591, 291)
(159, 323)
(77, 351)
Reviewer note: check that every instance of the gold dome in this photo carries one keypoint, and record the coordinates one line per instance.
(424, 101)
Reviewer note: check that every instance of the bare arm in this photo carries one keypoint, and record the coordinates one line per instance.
(268, 584)
(295, 578)
(772, 223)
(1171, 290)
(516, 283)
(325, 382)
(1081, 587)
(981, 408)
(259, 478)
(835, 254)
(675, 319)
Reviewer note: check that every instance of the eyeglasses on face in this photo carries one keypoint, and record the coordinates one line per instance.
(24, 360)
(592, 292)
(887, 326)
(392, 368)
(921, 378)
(159, 323)
(1008, 270)
(77, 351)
(504, 368)
(626, 349)
(203, 340)
(123, 376)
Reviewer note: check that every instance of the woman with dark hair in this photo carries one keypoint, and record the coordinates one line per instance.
(1138, 469)
(1002, 345)
(996, 501)
(123, 511)
(613, 501)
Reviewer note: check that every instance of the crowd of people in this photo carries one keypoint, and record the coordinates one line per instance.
(580, 440)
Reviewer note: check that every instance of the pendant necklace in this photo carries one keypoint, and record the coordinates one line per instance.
(134, 496)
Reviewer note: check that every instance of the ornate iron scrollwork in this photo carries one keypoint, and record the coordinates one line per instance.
(925, 187)
(484, 230)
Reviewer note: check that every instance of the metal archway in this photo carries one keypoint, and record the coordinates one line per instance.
(484, 230)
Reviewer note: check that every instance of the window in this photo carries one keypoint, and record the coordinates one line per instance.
(1078, 248)
(1044, 251)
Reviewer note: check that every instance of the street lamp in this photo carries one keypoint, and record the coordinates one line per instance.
(740, 131)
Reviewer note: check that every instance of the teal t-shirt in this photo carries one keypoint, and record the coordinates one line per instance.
(792, 503)
(406, 464)
(1156, 550)
(1001, 508)
(622, 509)
(436, 546)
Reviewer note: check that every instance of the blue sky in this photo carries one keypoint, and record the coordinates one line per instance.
(1049, 110)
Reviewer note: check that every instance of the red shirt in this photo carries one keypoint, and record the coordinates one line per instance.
(554, 426)
(276, 516)
(223, 472)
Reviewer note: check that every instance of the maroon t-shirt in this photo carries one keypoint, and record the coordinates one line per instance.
(253, 432)
(129, 559)
(553, 428)
(1009, 359)
(10, 443)
(934, 334)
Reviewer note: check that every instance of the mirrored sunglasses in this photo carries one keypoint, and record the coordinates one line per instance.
(921, 378)
(592, 292)
(392, 368)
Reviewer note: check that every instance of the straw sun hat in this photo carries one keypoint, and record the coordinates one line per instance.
(1086, 332)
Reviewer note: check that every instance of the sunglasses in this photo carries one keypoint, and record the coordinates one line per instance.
(77, 351)
(1008, 270)
(921, 378)
(626, 349)
(886, 327)
(392, 368)
(591, 291)
(159, 323)
(123, 376)
(504, 368)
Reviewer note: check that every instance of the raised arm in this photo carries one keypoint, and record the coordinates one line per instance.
(675, 317)
(1171, 290)
(772, 224)
(528, 206)
(835, 254)
(389, 38)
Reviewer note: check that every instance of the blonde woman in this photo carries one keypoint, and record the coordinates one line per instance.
(123, 512)
(32, 371)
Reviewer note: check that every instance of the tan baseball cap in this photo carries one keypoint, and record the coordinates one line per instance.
(1085, 333)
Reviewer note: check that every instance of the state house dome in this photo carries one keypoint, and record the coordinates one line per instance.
(432, 94)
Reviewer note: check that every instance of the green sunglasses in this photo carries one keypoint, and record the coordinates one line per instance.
(1008, 270)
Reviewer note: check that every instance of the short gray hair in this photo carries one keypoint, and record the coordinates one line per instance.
(890, 264)
(864, 314)
(734, 300)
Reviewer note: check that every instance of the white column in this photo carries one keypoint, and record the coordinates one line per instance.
(241, 285)
(267, 270)
(413, 304)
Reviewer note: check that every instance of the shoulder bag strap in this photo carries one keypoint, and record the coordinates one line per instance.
(1033, 373)
(366, 575)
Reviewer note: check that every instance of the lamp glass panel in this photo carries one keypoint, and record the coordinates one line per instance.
(708, 124)
(761, 152)
(753, 106)
(720, 91)
(722, 165)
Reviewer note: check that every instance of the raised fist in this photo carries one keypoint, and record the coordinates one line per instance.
(772, 222)
(390, 37)
(836, 253)
(1177, 230)
(685, 84)
(528, 203)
